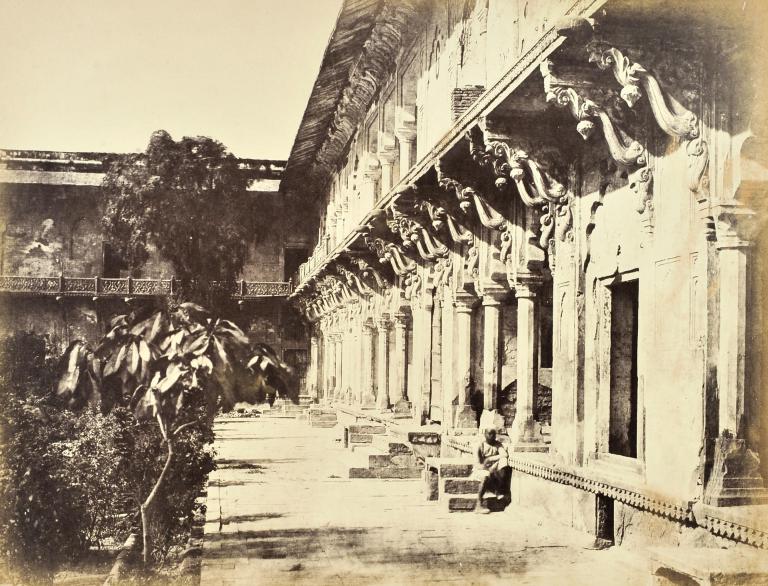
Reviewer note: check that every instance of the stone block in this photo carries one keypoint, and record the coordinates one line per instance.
(455, 470)
(432, 483)
(460, 486)
(360, 438)
(378, 429)
(403, 460)
(461, 504)
(379, 460)
(324, 424)
(403, 473)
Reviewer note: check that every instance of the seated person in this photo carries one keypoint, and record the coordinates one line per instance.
(494, 472)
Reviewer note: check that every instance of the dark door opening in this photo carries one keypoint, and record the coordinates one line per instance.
(622, 427)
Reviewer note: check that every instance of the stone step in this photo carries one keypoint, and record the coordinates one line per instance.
(360, 438)
(404, 473)
(466, 504)
(323, 417)
(460, 486)
(323, 424)
(361, 454)
(367, 429)
(390, 445)
(392, 461)
(455, 470)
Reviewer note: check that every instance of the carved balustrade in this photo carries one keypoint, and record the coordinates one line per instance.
(130, 287)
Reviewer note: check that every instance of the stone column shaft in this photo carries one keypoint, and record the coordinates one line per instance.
(313, 378)
(491, 341)
(730, 372)
(382, 363)
(448, 365)
(465, 416)
(527, 360)
(367, 399)
(422, 346)
(339, 390)
(401, 362)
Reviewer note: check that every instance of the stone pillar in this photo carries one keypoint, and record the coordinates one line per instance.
(370, 173)
(405, 130)
(400, 363)
(339, 345)
(436, 381)
(382, 399)
(465, 415)
(422, 357)
(733, 229)
(368, 400)
(448, 364)
(491, 341)
(330, 371)
(313, 372)
(527, 359)
(387, 154)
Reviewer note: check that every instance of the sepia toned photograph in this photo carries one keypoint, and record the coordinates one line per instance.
(383, 292)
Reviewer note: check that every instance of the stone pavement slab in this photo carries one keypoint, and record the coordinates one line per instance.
(280, 511)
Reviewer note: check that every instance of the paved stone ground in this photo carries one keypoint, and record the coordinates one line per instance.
(281, 510)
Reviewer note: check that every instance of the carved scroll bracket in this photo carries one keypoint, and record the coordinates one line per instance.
(626, 151)
(672, 117)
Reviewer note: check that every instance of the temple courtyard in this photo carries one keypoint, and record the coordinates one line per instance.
(282, 509)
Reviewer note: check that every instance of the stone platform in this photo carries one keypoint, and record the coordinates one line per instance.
(282, 510)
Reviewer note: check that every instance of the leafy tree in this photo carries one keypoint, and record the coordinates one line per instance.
(189, 199)
(167, 366)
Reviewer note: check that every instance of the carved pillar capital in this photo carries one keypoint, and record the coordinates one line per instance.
(370, 168)
(402, 318)
(528, 287)
(405, 124)
(384, 324)
(494, 297)
(735, 225)
(465, 303)
(387, 148)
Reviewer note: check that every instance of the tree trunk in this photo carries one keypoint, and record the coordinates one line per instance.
(147, 504)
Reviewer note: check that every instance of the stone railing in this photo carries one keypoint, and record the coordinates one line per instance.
(130, 287)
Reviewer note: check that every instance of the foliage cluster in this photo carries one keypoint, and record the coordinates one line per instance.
(189, 199)
(60, 475)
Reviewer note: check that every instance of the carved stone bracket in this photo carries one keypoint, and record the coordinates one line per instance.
(625, 150)
(672, 117)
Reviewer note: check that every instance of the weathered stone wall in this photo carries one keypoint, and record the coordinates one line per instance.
(55, 229)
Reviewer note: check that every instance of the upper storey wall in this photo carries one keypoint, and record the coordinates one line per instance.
(455, 50)
(50, 224)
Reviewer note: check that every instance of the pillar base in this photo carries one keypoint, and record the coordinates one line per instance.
(735, 478)
(402, 407)
(465, 418)
(526, 431)
(368, 402)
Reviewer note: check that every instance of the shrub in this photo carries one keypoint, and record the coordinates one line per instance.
(58, 470)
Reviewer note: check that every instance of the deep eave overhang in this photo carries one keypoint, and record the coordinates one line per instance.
(353, 27)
